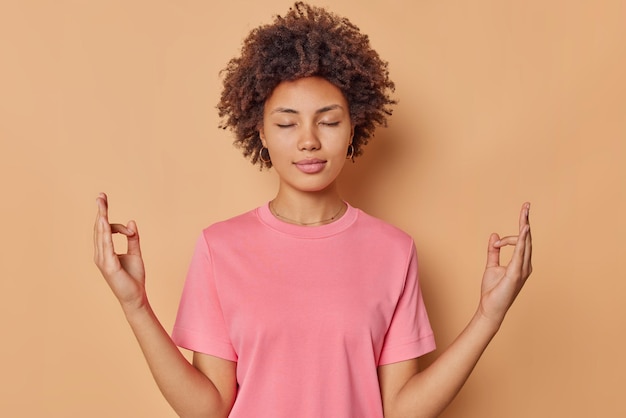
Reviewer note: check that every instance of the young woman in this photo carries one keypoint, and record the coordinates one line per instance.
(306, 306)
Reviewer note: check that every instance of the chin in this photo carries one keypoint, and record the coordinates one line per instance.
(312, 186)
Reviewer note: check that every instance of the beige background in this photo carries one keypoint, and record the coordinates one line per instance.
(500, 102)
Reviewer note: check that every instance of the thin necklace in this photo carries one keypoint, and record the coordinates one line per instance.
(278, 215)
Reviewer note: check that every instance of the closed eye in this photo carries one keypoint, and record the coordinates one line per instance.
(330, 123)
(280, 125)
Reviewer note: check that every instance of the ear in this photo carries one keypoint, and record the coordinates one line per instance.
(262, 136)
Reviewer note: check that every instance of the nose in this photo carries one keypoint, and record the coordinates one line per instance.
(308, 140)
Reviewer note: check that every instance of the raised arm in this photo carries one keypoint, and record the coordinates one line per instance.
(205, 389)
(409, 393)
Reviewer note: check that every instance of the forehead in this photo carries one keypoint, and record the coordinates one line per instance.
(305, 94)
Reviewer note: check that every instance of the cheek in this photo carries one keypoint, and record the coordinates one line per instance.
(341, 141)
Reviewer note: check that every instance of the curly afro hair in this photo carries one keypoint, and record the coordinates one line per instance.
(307, 41)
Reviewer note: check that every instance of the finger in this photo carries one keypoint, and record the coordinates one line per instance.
(528, 254)
(523, 215)
(96, 229)
(527, 264)
(96, 235)
(106, 237)
(99, 242)
(133, 240)
(99, 227)
(517, 259)
(509, 240)
(105, 229)
(109, 261)
(103, 205)
(121, 229)
(97, 232)
(493, 252)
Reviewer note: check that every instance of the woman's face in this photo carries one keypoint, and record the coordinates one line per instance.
(307, 130)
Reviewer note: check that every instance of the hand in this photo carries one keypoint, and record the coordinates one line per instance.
(502, 283)
(124, 273)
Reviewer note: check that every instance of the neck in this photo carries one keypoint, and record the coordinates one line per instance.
(308, 208)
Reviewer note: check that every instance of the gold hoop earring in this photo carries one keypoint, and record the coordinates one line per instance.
(267, 159)
(350, 155)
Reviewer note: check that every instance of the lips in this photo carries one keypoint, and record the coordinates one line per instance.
(310, 166)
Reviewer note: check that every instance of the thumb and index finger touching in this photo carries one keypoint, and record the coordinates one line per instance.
(130, 230)
(496, 243)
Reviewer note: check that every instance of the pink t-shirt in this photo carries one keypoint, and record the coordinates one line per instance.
(308, 313)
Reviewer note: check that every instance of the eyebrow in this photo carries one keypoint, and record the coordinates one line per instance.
(317, 112)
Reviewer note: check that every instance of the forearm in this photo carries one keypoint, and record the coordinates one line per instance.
(430, 391)
(188, 391)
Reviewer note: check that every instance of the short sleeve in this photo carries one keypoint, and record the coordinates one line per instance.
(200, 324)
(410, 334)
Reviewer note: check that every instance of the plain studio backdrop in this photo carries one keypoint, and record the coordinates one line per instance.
(499, 102)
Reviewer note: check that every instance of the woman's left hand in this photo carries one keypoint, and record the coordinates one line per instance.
(502, 283)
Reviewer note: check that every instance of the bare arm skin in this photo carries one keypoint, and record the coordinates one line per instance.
(205, 389)
(407, 392)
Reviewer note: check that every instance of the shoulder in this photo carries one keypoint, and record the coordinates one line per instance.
(382, 231)
(240, 224)
(381, 227)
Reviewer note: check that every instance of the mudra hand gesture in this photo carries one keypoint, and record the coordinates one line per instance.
(124, 273)
(502, 283)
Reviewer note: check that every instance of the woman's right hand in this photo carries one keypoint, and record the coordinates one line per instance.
(124, 273)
